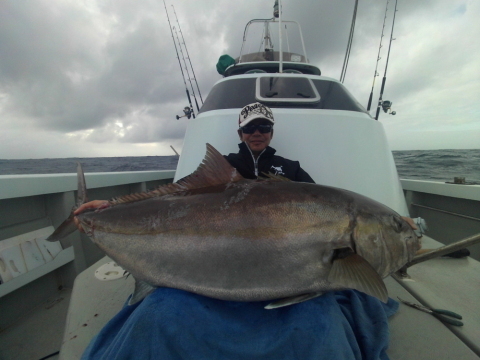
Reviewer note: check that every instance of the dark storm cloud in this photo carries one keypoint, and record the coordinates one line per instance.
(37, 40)
(66, 72)
(68, 68)
(106, 72)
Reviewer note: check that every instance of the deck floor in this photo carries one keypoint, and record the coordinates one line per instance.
(39, 333)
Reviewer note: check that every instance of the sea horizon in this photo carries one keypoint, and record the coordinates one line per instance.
(141, 156)
(437, 165)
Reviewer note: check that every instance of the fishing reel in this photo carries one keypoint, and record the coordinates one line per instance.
(187, 111)
(386, 106)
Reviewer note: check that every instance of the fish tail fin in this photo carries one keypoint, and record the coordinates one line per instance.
(82, 186)
(68, 226)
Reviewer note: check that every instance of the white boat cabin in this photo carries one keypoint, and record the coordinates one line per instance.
(317, 122)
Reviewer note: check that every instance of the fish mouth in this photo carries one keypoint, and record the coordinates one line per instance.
(88, 226)
(413, 243)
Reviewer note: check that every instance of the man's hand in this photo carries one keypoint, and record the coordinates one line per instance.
(95, 204)
(410, 222)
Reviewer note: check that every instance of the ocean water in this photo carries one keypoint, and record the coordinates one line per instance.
(437, 165)
(100, 164)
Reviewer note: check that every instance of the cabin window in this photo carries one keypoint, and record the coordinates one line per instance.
(276, 89)
(236, 92)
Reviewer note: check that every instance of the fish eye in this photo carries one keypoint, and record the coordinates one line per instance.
(397, 223)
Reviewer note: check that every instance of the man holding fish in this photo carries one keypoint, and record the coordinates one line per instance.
(215, 249)
(255, 157)
(255, 132)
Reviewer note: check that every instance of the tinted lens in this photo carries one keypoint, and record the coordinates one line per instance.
(250, 129)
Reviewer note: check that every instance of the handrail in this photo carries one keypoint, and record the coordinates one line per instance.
(446, 212)
(14, 186)
(470, 192)
(272, 20)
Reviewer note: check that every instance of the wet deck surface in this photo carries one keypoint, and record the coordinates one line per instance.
(39, 333)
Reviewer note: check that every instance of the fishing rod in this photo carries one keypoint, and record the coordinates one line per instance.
(186, 68)
(378, 59)
(388, 103)
(349, 44)
(190, 112)
(188, 57)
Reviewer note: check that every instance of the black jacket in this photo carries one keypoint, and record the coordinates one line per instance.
(267, 162)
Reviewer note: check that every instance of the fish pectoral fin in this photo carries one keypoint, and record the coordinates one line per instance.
(292, 300)
(354, 272)
(142, 290)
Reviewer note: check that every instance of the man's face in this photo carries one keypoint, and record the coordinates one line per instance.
(257, 142)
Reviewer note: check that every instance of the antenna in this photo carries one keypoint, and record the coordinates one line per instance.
(386, 65)
(179, 63)
(280, 70)
(186, 68)
(175, 151)
(188, 57)
(286, 36)
(378, 59)
(349, 44)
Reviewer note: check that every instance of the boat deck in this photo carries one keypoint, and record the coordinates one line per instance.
(414, 334)
(40, 310)
(32, 310)
(38, 333)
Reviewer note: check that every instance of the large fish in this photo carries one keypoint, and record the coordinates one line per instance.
(217, 234)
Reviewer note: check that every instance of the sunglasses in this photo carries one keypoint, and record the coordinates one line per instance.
(250, 129)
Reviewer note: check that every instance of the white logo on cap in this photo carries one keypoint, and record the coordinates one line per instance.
(257, 109)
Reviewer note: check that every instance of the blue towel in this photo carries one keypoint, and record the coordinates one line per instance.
(173, 324)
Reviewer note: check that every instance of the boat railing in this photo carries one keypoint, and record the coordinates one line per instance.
(452, 211)
(269, 37)
(30, 207)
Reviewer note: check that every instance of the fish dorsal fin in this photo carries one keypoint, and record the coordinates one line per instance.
(160, 191)
(277, 177)
(354, 272)
(214, 170)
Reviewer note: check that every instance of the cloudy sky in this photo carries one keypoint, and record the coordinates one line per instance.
(100, 77)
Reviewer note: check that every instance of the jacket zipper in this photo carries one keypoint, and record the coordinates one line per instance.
(255, 161)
